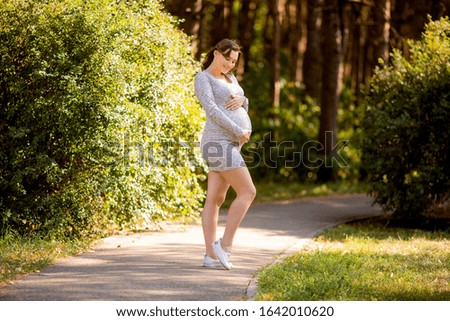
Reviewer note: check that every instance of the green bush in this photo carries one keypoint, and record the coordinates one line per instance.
(406, 130)
(96, 104)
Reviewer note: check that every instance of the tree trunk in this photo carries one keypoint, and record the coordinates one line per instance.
(312, 68)
(358, 22)
(191, 11)
(331, 75)
(380, 41)
(353, 48)
(297, 13)
(274, 56)
(247, 16)
(221, 21)
(228, 18)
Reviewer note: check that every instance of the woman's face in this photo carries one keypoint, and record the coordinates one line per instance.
(225, 64)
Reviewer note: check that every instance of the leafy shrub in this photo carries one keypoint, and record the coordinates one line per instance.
(96, 102)
(406, 135)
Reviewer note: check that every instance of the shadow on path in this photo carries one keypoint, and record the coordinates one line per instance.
(166, 266)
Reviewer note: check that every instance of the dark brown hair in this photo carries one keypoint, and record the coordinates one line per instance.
(225, 47)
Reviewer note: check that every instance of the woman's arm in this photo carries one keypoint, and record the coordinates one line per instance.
(204, 93)
(236, 102)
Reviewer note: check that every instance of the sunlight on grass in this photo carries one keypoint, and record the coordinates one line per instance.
(363, 263)
(281, 191)
(21, 255)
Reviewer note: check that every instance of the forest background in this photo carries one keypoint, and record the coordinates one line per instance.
(100, 127)
(307, 65)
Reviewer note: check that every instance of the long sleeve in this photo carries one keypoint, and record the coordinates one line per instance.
(246, 102)
(205, 95)
(245, 106)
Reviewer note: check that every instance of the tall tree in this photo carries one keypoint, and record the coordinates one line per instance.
(312, 68)
(246, 23)
(356, 25)
(382, 25)
(273, 39)
(221, 20)
(296, 12)
(331, 83)
(191, 12)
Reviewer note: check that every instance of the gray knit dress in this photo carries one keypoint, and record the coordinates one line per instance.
(220, 140)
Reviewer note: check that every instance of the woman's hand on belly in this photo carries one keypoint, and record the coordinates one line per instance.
(235, 102)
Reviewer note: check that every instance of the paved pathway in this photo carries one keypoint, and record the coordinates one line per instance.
(166, 266)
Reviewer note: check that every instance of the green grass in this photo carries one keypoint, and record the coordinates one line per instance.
(363, 262)
(21, 255)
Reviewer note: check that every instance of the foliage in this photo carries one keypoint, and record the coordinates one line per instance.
(27, 254)
(363, 262)
(406, 137)
(279, 132)
(96, 104)
(284, 143)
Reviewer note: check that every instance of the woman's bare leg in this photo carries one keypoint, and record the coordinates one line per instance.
(215, 196)
(242, 184)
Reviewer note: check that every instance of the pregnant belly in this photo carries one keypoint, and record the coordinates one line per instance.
(240, 117)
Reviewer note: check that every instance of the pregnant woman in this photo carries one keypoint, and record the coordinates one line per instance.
(227, 128)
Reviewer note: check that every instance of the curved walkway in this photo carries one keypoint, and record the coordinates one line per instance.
(166, 266)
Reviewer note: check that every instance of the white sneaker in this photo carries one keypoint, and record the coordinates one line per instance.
(222, 255)
(209, 262)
